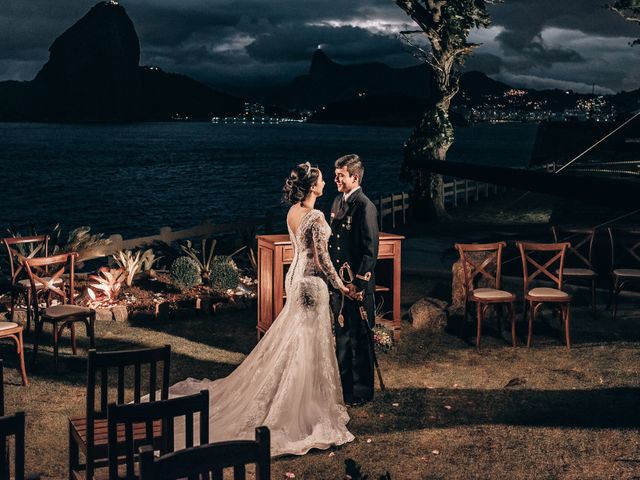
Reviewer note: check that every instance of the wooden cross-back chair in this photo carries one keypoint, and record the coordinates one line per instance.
(89, 433)
(625, 261)
(19, 248)
(207, 462)
(483, 261)
(579, 259)
(12, 426)
(13, 332)
(550, 269)
(63, 315)
(133, 425)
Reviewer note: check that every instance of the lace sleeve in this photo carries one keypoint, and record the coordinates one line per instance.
(320, 232)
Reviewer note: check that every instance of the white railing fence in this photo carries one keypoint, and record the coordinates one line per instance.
(455, 192)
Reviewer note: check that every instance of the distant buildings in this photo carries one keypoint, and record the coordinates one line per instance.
(516, 105)
(254, 113)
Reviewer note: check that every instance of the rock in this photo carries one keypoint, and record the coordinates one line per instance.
(457, 284)
(120, 313)
(104, 314)
(429, 314)
(457, 289)
(164, 311)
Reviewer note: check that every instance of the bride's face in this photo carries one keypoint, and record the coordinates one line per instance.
(318, 188)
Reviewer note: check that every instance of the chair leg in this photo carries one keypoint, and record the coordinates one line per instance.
(74, 455)
(91, 330)
(12, 307)
(512, 318)
(55, 346)
(567, 317)
(23, 371)
(593, 296)
(479, 320)
(72, 328)
(616, 292)
(38, 325)
(29, 300)
(532, 310)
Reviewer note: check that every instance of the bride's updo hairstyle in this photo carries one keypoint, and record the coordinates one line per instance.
(299, 183)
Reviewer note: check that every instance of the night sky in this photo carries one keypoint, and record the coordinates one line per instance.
(532, 43)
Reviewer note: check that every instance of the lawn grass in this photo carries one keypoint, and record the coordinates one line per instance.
(447, 412)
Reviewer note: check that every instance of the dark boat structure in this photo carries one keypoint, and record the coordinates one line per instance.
(605, 173)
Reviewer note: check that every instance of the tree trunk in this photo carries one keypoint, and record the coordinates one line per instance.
(431, 139)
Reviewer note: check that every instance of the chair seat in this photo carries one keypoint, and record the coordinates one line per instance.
(25, 282)
(101, 433)
(627, 272)
(547, 293)
(579, 272)
(491, 294)
(7, 325)
(58, 311)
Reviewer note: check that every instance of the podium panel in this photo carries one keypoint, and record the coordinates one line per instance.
(275, 254)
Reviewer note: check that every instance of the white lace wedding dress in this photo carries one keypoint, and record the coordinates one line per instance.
(290, 381)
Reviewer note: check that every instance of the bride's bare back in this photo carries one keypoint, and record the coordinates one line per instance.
(294, 217)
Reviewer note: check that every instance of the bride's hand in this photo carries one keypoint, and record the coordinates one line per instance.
(345, 290)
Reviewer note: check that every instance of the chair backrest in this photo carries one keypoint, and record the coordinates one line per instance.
(580, 253)
(625, 247)
(53, 283)
(209, 461)
(537, 253)
(19, 248)
(123, 419)
(102, 363)
(12, 426)
(481, 261)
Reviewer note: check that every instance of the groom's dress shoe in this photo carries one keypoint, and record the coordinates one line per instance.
(357, 402)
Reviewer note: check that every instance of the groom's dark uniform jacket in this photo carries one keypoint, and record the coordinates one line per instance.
(354, 240)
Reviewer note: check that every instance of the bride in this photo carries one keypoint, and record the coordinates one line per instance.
(290, 381)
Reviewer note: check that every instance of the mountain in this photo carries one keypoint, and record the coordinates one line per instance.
(378, 110)
(474, 85)
(329, 81)
(93, 75)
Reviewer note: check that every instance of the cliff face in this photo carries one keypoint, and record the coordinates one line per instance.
(93, 76)
(92, 73)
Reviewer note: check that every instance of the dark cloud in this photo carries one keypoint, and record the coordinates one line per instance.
(484, 62)
(258, 41)
(292, 43)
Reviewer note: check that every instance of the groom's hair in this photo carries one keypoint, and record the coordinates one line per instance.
(353, 163)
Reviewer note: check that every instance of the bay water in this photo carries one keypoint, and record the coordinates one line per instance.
(133, 179)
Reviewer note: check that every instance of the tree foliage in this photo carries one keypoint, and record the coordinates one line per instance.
(442, 42)
(630, 10)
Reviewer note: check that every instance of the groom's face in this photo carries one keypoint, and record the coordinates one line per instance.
(344, 181)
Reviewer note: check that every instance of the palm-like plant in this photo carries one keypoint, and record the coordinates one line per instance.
(129, 262)
(204, 257)
(148, 260)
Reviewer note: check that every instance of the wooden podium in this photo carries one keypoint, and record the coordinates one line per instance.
(275, 252)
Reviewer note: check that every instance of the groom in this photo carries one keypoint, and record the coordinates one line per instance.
(354, 241)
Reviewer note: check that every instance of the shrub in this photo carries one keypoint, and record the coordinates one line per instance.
(185, 273)
(203, 258)
(224, 273)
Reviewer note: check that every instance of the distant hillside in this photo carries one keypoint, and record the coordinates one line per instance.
(388, 110)
(93, 75)
(373, 93)
(328, 82)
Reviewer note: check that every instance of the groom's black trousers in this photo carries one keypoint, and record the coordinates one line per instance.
(353, 347)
